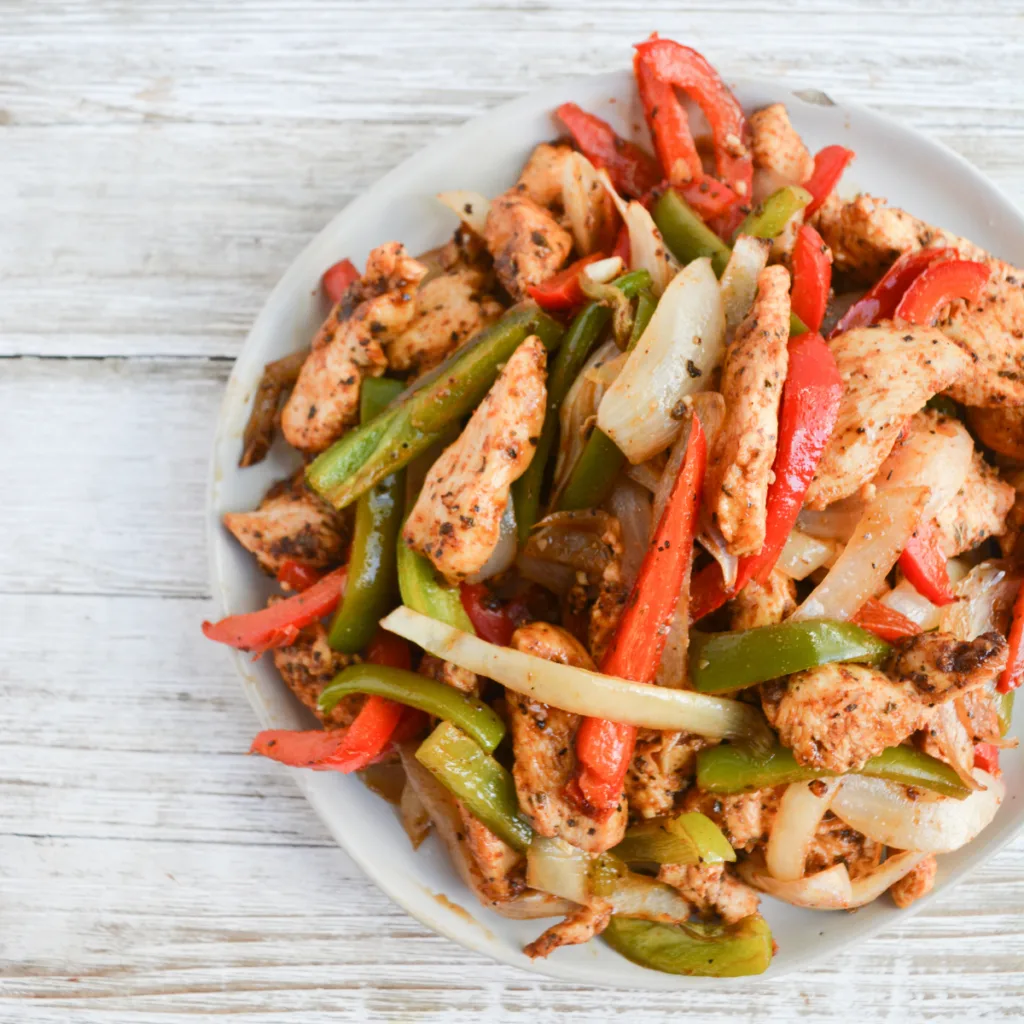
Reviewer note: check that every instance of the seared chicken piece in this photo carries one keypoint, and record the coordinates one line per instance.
(580, 926)
(611, 592)
(745, 818)
(543, 742)
(498, 862)
(980, 714)
(308, 665)
(662, 767)
(449, 311)
(325, 400)
(541, 177)
(977, 511)
(763, 604)
(940, 667)
(291, 524)
(450, 674)
(944, 735)
(740, 465)
(777, 146)
(712, 890)
(1002, 429)
(835, 842)
(527, 243)
(915, 884)
(456, 521)
(889, 372)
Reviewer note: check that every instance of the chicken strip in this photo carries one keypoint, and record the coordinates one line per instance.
(579, 927)
(527, 243)
(449, 311)
(944, 735)
(777, 146)
(915, 884)
(977, 511)
(541, 178)
(712, 889)
(1001, 429)
(890, 371)
(740, 466)
(308, 665)
(456, 521)
(746, 819)
(835, 842)
(500, 866)
(325, 400)
(450, 674)
(662, 767)
(763, 604)
(543, 742)
(940, 667)
(292, 524)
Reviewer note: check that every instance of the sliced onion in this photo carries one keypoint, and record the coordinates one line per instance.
(637, 895)
(885, 813)
(415, 817)
(587, 205)
(504, 553)
(603, 271)
(683, 343)
(800, 812)
(870, 886)
(470, 207)
(739, 279)
(824, 890)
(532, 906)
(583, 692)
(985, 597)
(646, 474)
(803, 554)
(555, 866)
(674, 668)
(554, 577)
(631, 505)
(837, 522)
(905, 599)
(876, 544)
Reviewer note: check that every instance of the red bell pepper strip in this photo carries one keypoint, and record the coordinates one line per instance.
(279, 624)
(562, 292)
(633, 171)
(939, 285)
(669, 126)
(490, 618)
(812, 277)
(884, 622)
(880, 302)
(623, 249)
(685, 68)
(1013, 674)
(296, 576)
(829, 164)
(924, 564)
(986, 757)
(604, 749)
(807, 416)
(336, 279)
(308, 749)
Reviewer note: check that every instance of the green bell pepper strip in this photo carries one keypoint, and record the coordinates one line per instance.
(480, 782)
(708, 950)
(593, 477)
(729, 769)
(686, 234)
(370, 591)
(418, 417)
(573, 353)
(687, 838)
(425, 593)
(1004, 709)
(770, 217)
(468, 713)
(732, 661)
(796, 326)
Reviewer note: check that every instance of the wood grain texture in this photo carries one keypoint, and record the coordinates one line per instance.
(160, 166)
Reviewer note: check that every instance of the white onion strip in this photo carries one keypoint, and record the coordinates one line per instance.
(801, 809)
(739, 279)
(580, 691)
(471, 208)
(824, 890)
(870, 886)
(504, 553)
(804, 553)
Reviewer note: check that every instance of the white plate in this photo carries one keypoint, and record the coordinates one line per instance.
(485, 155)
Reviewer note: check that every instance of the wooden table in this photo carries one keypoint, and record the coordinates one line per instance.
(161, 164)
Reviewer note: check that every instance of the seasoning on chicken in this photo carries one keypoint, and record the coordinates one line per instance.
(944, 735)
(449, 311)
(348, 347)
(291, 524)
(977, 511)
(941, 667)
(662, 766)
(915, 884)
(527, 243)
(445, 672)
(496, 861)
(890, 371)
(740, 466)
(580, 926)
(456, 521)
(763, 604)
(1001, 429)
(777, 146)
(309, 665)
(543, 745)
(835, 842)
(712, 889)
(745, 818)
(541, 176)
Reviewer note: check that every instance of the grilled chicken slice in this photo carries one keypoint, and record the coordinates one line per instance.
(308, 665)
(977, 511)
(915, 884)
(291, 524)
(449, 311)
(500, 866)
(944, 735)
(746, 819)
(541, 177)
(739, 469)
(527, 243)
(662, 767)
(940, 667)
(450, 674)
(1001, 429)
(777, 146)
(579, 927)
(890, 371)
(325, 400)
(835, 842)
(456, 521)
(712, 889)
(763, 604)
(543, 741)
